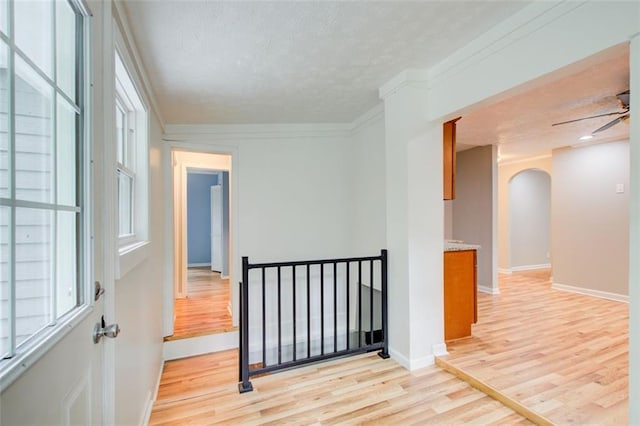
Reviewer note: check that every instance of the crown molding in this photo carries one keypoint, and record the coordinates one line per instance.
(404, 78)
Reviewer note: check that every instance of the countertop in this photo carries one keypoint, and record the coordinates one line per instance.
(452, 245)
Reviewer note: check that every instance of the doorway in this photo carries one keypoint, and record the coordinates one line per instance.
(202, 303)
(530, 220)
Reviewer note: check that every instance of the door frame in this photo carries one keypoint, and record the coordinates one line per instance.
(173, 214)
(218, 207)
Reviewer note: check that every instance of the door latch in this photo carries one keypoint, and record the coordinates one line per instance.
(98, 290)
(102, 330)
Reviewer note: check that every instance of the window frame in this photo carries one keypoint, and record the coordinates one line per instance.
(23, 355)
(132, 248)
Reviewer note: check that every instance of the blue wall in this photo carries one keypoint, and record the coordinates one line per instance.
(199, 216)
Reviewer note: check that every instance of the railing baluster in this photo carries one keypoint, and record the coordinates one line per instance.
(279, 320)
(335, 307)
(293, 272)
(359, 303)
(308, 313)
(348, 318)
(245, 385)
(321, 309)
(371, 301)
(264, 320)
(383, 288)
(324, 353)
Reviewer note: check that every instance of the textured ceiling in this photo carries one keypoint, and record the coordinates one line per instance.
(522, 125)
(293, 62)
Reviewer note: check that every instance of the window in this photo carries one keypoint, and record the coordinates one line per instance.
(42, 166)
(130, 140)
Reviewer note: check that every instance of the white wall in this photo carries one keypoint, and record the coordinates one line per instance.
(590, 221)
(368, 219)
(138, 308)
(530, 219)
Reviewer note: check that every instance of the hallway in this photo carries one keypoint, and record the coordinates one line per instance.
(205, 310)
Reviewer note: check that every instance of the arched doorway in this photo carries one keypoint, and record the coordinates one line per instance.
(530, 220)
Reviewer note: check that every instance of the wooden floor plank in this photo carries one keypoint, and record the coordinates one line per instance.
(563, 355)
(205, 309)
(354, 390)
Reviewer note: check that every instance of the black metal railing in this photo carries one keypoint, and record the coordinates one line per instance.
(295, 313)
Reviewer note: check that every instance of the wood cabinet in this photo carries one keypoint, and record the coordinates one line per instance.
(449, 159)
(460, 293)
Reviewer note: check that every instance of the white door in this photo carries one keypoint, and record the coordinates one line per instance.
(216, 228)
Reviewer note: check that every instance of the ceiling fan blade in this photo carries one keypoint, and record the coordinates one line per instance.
(610, 124)
(589, 118)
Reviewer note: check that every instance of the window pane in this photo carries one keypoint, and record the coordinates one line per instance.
(66, 267)
(66, 47)
(4, 122)
(33, 31)
(34, 148)
(4, 280)
(34, 230)
(66, 154)
(120, 134)
(125, 192)
(3, 16)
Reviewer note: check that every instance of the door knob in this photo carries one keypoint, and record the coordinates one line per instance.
(102, 330)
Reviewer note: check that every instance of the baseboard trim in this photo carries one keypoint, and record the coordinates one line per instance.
(493, 393)
(591, 292)
(148, 407)
(197, 265)
(411, 364)
(504, 271)
(530, 267)
(183, 348)
(489, 290)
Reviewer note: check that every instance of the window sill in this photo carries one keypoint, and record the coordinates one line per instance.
(131, 256)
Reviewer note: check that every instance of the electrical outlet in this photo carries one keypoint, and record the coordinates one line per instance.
(620, 188)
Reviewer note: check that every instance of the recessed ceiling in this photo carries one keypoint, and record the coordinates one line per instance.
(293, 62)
(522, 124)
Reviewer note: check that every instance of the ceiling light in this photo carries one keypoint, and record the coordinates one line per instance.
(586, 137)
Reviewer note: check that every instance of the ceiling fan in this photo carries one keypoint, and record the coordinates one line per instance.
(623, 101)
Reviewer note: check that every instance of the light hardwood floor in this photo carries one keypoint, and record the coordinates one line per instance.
(563, 355)
(204, 310)
(361, 389)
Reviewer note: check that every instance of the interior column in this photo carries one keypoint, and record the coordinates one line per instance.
(415, 223)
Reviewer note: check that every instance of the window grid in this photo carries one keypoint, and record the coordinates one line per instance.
(14, 52)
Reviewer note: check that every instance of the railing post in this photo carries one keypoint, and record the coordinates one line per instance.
(384, 353)
(245, 384)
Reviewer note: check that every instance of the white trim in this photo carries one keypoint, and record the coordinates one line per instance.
(151, 398)
(198, 265)
(124, 27)
(530, 267)
(228, 132)
(373, 114)
(404, 78)
(131, 256)
(440, 349)
(591, 292)
(412, 364)
(183, 348)
(488, 290)
(504, 271)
